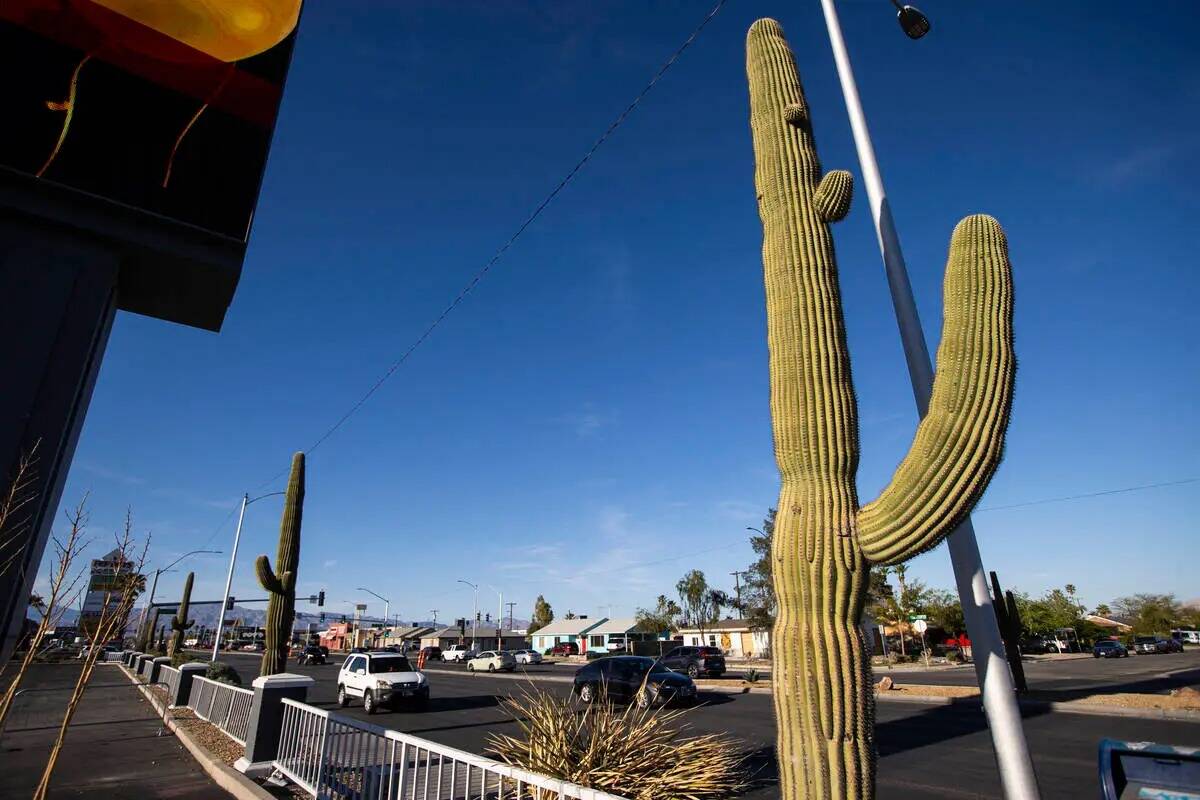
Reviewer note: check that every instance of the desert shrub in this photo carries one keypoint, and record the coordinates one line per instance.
(752, 675)
(220, 671)
(641, 754)
(181, 658)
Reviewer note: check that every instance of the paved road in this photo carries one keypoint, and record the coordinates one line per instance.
(1157, 674)
(940, 751)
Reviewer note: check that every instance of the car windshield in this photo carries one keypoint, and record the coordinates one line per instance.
(390, 665)
(1145, 640)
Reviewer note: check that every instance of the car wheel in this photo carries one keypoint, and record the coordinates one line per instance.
(491, 667)
(470, 667)
(643, 699)
(693, 671)
(343, 699)
(586, 693)
(1095, 655)
(369, 702)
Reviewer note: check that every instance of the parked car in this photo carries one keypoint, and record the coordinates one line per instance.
(457, 652)
(381, 679)
(253, 647)
(527, 656)
(1173, 645)
(1150, 645)
(1034, 646)
(310, 655)
(430, 653)
(492, 661)
(696, 661)
(1108, 648)
(564, 649)
(635, 679)
(191, 642)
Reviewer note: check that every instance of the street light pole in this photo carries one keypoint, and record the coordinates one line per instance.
(154, 584)
(999, 698)
(237, 537)
(474, 612)
(499, 619)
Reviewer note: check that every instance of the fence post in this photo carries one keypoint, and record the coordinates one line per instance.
(266, 719)
(183, 689)
(156, 668)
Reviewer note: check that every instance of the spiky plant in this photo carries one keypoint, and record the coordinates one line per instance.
(180, 622)
(280, 583)
(639, 753)
(824, 542)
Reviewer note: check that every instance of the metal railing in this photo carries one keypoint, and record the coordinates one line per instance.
(111, 656)
(170, 676)
(223, 705)
(338, 758)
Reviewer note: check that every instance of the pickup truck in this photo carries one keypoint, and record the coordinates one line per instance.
(457, 652)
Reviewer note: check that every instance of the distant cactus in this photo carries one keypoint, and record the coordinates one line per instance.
(824, 542)
(146, 637)
(281, 584)
(181, 623)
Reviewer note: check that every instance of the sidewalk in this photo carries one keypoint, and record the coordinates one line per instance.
(113, 749)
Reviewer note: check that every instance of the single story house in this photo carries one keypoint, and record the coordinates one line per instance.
(616, 634)
(485, 638)
(734, 636)
(402, 636)
(566, 630)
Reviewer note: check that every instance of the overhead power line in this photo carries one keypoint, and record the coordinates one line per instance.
(1122, 490)
(529, 220)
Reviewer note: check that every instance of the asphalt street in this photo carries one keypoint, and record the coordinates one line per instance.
(925, 751)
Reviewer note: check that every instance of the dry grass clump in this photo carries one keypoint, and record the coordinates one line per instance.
(642, 754)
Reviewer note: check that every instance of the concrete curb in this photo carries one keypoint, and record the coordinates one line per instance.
(225, 776)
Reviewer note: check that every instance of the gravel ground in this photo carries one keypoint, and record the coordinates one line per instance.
(206, 735)
(1183, 700)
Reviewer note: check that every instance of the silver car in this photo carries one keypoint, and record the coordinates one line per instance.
(527, 656)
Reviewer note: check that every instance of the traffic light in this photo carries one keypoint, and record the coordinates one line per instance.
(322, 616)
(321, 598)
(229, 603)
(477, 616)
(487, 617)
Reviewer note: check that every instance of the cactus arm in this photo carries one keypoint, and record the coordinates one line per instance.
(833, 195)
(266, 576)
(960, 441)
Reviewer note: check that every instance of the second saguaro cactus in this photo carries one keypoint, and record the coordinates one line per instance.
(280, 583)
(181, 623)
(824, 542)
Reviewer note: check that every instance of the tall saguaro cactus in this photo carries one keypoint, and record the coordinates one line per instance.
(181, 622)
(281, 583)
(824, 542)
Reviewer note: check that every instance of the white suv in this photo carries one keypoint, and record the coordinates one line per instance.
(457, 652)
(492, 660)
(528, 657)
(380, 678)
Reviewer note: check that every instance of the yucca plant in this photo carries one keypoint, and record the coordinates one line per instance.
(639, 753)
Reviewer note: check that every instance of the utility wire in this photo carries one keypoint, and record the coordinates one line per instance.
(537, 212)
(1089, 494)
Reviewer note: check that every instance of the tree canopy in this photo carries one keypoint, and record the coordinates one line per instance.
(543, 614)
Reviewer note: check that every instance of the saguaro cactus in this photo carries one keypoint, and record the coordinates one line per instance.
(281, 583)
(824, 542)
(181, 622)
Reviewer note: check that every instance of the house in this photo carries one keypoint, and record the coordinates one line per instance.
(1112, 626)
(336, 637)
(616, 634)
(485, 638)
(405, 636)
(565, 630)
(734, 636)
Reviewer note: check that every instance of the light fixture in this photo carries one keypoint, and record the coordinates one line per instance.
(912, 21)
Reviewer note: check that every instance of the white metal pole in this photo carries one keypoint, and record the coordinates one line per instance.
(999, 698)
(475, 620)
(237, 536)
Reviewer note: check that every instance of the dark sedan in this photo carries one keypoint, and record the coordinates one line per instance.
(635, 679)
(1109, 649)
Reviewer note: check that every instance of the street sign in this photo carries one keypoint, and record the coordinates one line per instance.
(915, 617)
(920, 626)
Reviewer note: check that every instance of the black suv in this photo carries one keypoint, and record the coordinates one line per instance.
(696, 661)
(632, 679)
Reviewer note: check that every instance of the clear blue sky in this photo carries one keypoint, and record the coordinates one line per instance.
(593, 420)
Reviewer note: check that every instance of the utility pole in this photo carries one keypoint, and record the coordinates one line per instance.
(434, 612)
(510, 615)
(1017, 778)
(737, 587)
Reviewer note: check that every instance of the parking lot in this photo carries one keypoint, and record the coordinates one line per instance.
(925, 751)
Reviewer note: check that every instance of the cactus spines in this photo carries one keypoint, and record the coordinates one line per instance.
(824, 543)
(281, 583)
(180, 622)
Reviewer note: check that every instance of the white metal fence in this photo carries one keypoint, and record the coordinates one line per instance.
(338, 758)
(111, 656)
(170, 676)
(223, 705)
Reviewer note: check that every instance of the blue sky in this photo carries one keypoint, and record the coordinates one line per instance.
(593, 420)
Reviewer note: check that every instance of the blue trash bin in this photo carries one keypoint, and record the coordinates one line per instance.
(1148, 771)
